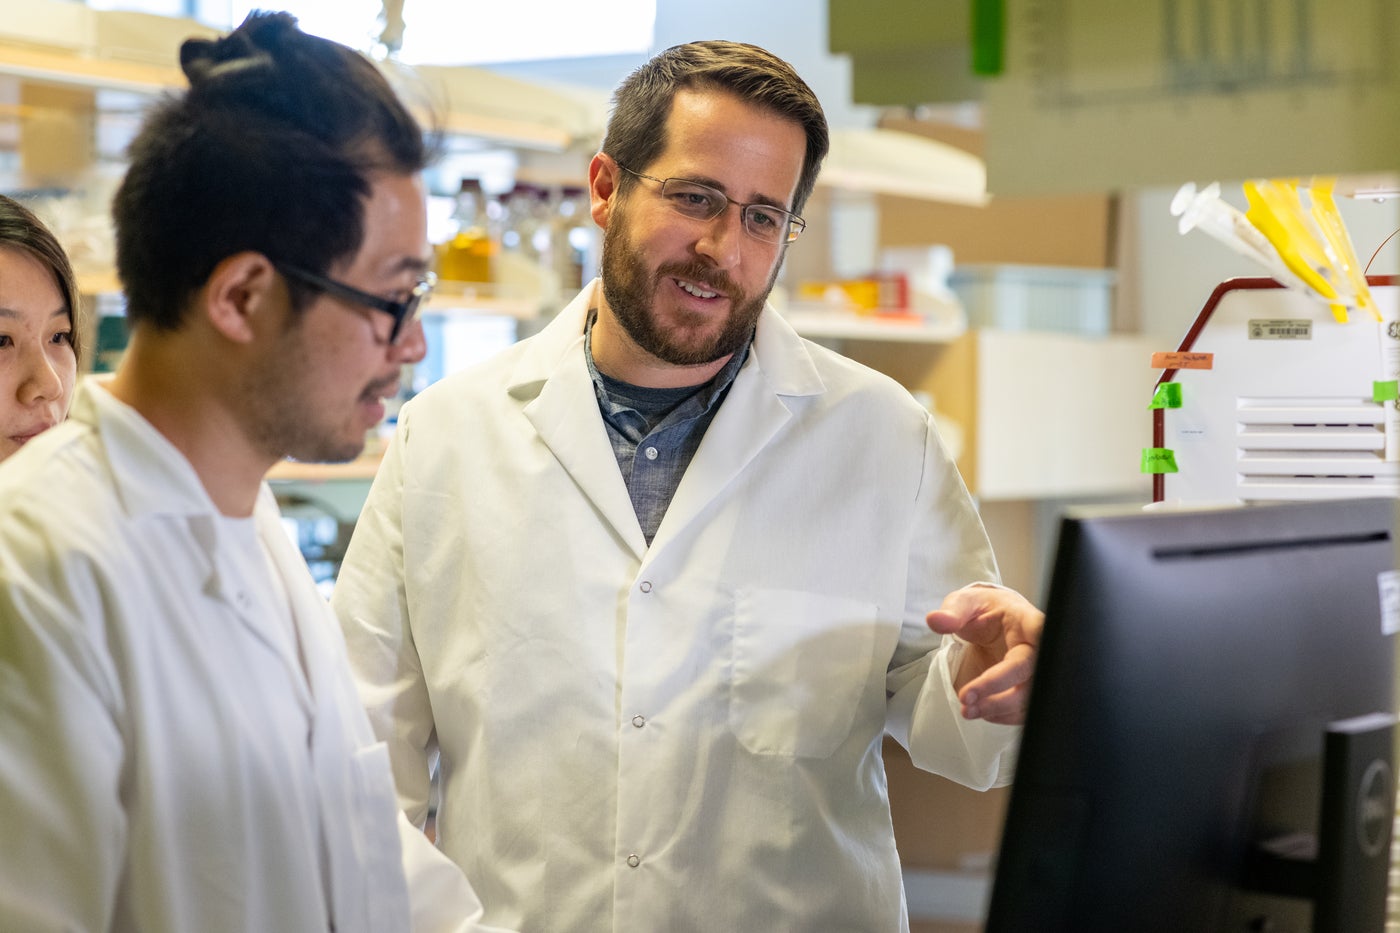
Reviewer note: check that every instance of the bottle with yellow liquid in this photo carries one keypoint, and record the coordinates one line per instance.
(469, 254)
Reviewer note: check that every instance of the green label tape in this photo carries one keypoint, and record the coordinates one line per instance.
(988, 37)
(1387, 391)
(1158, 460)
(1168, 395)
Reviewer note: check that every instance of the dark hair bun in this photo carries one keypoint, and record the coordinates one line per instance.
(204, 60)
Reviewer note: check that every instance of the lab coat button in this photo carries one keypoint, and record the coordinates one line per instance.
(633, 861)
(639, 721)
(651, 453)
(646, 586)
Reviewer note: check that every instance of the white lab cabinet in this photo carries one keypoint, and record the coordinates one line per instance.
(1031, 414)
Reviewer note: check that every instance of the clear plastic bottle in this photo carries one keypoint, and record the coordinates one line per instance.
(575, 240)
(524, 267)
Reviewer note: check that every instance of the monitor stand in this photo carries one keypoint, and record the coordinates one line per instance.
(1344, 868)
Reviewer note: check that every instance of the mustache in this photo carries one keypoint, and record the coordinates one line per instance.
(717, 279)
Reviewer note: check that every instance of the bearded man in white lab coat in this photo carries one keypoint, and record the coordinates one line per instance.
(651, 586)
(181, 745)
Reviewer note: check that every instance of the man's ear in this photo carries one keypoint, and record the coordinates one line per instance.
(240, 294)
(602, 187)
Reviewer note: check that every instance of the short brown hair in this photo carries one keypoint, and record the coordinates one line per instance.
(636, 132)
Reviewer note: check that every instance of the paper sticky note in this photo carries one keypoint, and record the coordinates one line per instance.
(1158, 460)
(1168, 395)
(1178, 360)
(1387, 391)
(1389, 584)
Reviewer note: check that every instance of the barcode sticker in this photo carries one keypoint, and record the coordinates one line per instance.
(1389, 581)
(1280, 329)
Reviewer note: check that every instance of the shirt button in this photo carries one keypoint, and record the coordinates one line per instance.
(633, 861)
(639, 721)
(651, 453)
(646, 586)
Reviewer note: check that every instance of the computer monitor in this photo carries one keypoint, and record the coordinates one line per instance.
(1193, 668)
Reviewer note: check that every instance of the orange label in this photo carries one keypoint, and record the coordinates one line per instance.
(1183, 360)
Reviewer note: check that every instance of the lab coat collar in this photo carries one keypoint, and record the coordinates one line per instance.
(780, 353)
(778, 373)
(151, 475)
(784, 357)
(551, 348)
(152, 478)
(552, 379)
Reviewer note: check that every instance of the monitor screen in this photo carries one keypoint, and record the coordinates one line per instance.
(1194, 666)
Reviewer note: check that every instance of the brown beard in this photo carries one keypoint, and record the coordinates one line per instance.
(628, 288)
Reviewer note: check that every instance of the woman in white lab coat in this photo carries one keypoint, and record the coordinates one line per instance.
(39, 307)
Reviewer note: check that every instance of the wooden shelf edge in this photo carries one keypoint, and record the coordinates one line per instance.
(838, 326)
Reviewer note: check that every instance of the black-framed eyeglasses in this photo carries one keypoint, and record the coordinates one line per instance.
(761, 221)
(403, 312)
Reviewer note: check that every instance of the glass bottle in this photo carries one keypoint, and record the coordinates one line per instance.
(469, 255)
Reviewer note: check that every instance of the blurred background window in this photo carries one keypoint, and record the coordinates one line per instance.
(447, 32)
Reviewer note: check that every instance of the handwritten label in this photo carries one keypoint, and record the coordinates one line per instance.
(1158, 460)
(1180, 360)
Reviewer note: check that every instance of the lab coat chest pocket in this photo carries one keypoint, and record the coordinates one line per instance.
(800, 664)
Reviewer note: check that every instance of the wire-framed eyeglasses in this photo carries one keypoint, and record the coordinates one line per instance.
(701, 202)
(403, 312)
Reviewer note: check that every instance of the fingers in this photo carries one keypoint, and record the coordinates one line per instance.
(980, 624)
(984, 614)
(1008, 709)
(962, 607)
(944, 622)
(1001, 693)
(1001, 630)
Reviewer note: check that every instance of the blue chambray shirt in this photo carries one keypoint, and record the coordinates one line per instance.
(655, 432)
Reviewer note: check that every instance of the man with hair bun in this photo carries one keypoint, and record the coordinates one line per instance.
(181, 744)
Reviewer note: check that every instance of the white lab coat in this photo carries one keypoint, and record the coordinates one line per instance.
(165, 765)
(685, 736)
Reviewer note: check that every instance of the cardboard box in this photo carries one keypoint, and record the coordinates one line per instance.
(1070, 230)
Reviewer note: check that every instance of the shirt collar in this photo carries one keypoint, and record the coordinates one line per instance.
(777, 355)
(706, 398)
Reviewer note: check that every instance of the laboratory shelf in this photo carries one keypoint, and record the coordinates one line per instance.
(839, 325)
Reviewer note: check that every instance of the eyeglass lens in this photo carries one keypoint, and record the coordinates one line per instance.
(762, 221)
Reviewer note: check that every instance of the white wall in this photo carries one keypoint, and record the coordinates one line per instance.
(795, 30)
(792, 29)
